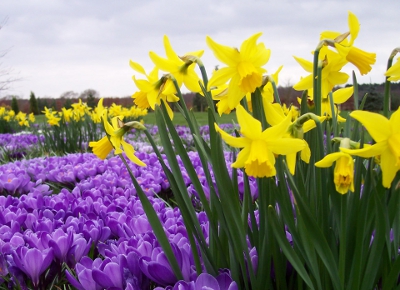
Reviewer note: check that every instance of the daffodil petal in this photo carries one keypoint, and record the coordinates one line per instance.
(273, 113)
(137, 67)
(305, 64)
(223, 53)
(237, 142)
(395, 121)
(249, 126)
(377, 125)
(342, 95)
(306, 153)
(101, 148)
(278, 130)
(171, 54)
(367, 152)
(354, 26)
(286, 146)
(242, 158)
(291, 162)
(328, 160)
(130, 153)
(389, 168)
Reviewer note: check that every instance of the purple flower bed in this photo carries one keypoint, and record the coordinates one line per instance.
(16, 146)
(83, 212)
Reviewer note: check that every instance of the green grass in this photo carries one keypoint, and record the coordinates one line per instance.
(150, 118)
(201, 117)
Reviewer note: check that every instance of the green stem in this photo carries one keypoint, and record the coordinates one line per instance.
(342, 240)
(317, 71)
(258, 108)
(386, 99)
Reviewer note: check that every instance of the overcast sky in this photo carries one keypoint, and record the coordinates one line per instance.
(59, 45)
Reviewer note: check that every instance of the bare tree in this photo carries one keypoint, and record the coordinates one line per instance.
(69, 95)
(6, 73)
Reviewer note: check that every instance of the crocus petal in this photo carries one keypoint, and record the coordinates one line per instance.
(206, 281)
(102, 279)
(34, 260)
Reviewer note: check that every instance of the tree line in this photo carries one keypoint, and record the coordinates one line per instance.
(195, 101)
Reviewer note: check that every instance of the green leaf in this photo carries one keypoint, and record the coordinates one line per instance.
(290, 254)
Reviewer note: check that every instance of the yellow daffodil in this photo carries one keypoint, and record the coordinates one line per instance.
(343, 172)
(361, 59)
(394, 71)
(244, 67)
(339, 97)
(274, 115)
(67, 114)
(79, 110)
(31, 118)
(331, 75)
(102, 147)
(115, 110)
(386, 134)
(53, 120)
(114, 139)
(257, 156)
(97, 112)
(182, 69)
(153, 90)
(22, 119)
(267, 91)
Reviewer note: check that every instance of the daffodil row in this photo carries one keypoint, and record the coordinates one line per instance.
(21, 119)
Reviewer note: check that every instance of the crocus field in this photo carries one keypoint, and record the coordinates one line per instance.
(76, 220)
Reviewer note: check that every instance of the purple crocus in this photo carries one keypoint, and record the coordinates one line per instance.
(84, 274)
(205, 281)
(32, 262)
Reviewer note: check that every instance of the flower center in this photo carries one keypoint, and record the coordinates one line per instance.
(250, 78)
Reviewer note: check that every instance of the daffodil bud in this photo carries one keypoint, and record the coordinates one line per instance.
(342, 37)
(135, 125)
(296, 130)
(345, 143)
(190, 59)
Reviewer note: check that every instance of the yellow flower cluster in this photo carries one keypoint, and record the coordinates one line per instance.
(244, 77)
(21, 118)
